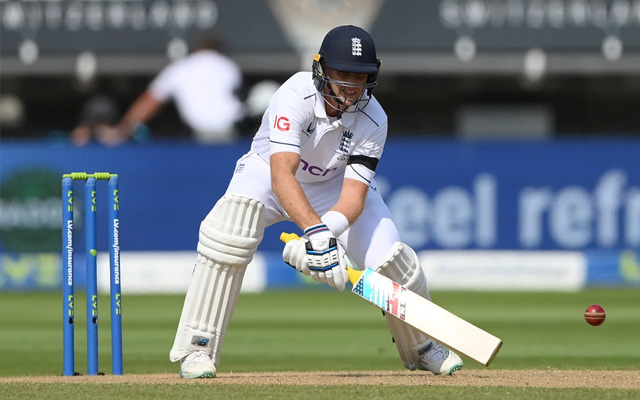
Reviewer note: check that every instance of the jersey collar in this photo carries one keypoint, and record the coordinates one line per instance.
(320, 112)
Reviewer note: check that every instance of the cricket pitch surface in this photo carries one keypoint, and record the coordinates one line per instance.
(552, 378)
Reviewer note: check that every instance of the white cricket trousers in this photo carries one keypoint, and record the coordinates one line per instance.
(367, 241)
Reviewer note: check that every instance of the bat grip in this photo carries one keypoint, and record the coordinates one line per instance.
(287, 237)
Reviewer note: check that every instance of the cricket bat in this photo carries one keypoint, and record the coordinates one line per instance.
(438, 323)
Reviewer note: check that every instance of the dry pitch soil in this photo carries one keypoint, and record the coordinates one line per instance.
(619, 379)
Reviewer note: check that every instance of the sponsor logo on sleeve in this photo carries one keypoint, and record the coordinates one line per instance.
(282, 123)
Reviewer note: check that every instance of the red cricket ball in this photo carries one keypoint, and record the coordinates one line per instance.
(595, 315)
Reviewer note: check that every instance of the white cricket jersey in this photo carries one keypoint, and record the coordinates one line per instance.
(296, 121)
(202, 85)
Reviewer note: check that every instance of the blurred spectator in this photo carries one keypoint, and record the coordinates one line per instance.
(256, 103)
(204, 86)
(97, 122)
(12, 113)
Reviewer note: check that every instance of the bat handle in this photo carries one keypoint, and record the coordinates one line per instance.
(354, 275)
(287, 237)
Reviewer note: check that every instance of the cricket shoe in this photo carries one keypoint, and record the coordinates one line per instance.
(197, 365)
(439, 360)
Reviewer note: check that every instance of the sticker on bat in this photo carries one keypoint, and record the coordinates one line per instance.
(382, 292)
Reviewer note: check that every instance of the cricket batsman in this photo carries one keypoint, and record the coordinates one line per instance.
(313, 162)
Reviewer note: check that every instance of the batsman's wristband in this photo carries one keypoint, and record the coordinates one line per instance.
(315, 229)
(336, 222)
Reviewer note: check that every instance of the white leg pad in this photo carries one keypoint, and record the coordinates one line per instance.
(229, 237)
(403, 267)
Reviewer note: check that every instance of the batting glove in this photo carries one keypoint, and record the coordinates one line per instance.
(295, 254)
(325, 258)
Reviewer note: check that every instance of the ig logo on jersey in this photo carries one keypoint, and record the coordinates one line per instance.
(282, 123)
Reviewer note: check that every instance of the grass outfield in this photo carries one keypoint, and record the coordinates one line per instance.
(322, 331)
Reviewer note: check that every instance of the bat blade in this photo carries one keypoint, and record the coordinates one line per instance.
(438, 323)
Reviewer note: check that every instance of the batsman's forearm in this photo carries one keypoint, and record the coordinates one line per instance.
(350, 209)
(352, 199)
(294, 201)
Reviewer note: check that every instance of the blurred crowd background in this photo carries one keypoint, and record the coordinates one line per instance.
(451, 68)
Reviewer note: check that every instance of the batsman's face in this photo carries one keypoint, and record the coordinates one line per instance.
(347, 86)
